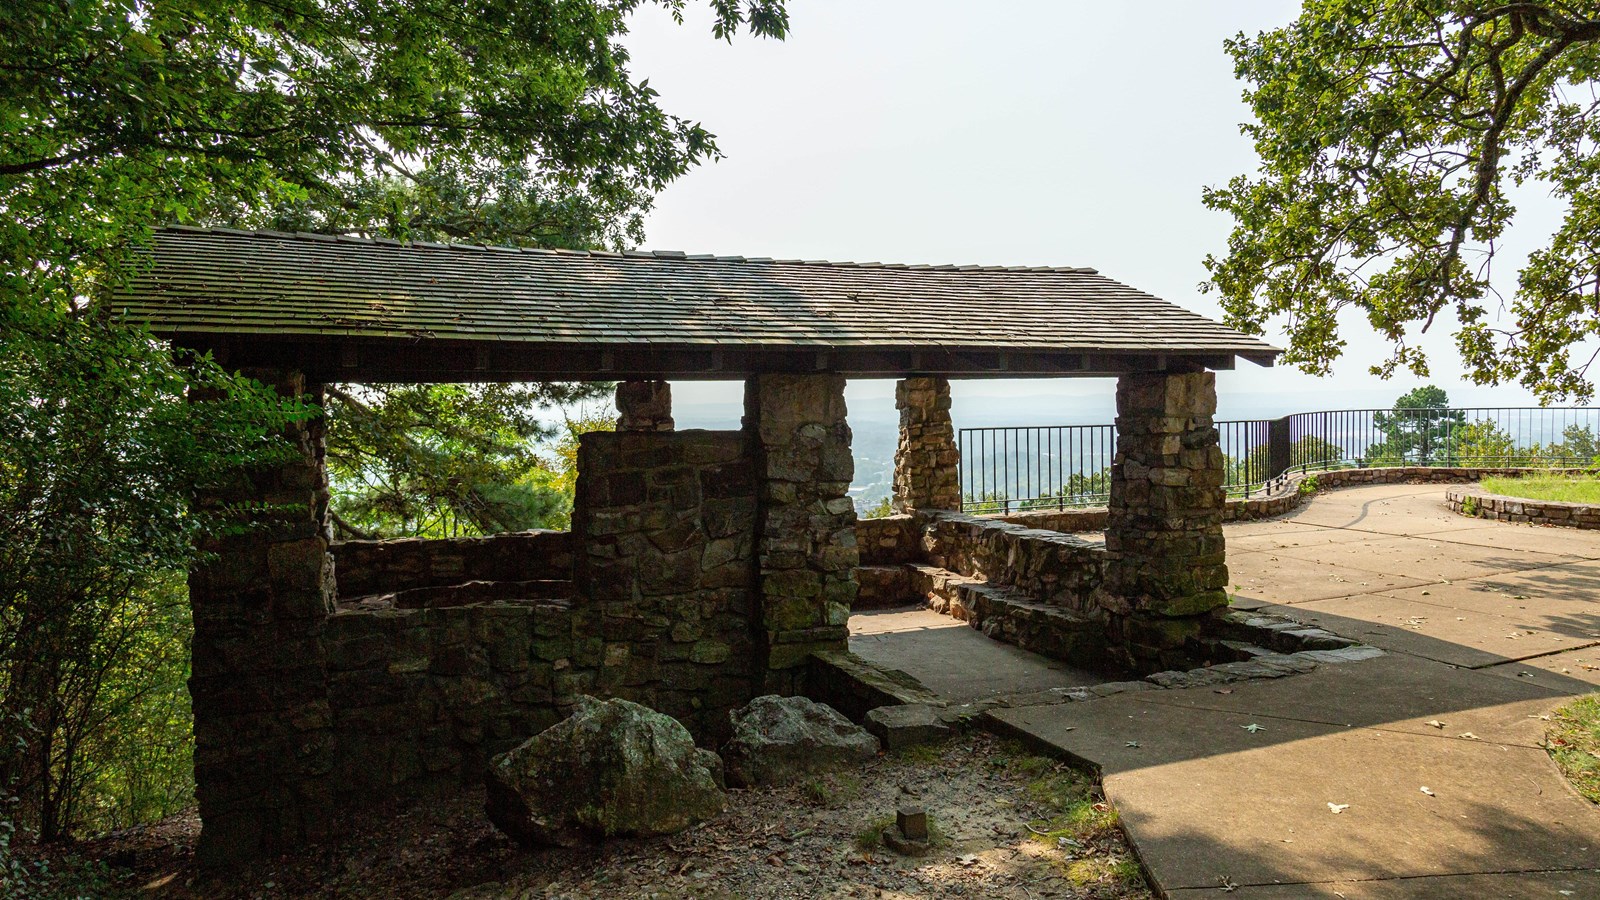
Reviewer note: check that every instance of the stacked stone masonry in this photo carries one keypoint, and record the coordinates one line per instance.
(806, 530)
(1484, 505)
(702, 570)
(644, 406)
(402, 564)
(666, 526)
(264, 742)
(927, 461)
(1164, 526)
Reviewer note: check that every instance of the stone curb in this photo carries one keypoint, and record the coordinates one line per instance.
(1285, 498)
(1499, 507)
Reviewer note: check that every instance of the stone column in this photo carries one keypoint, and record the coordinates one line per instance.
(805, 539)
(644, 406)
(926, 473)
(1164, 534)
(261, 598)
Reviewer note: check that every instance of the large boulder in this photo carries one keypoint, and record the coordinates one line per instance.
(777, 740)
(611, 768)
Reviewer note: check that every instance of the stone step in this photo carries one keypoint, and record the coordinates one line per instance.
(1011, 616)
(941, 588)
(883, 587)
(1017, 619)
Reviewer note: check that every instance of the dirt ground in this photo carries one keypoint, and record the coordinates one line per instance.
(1006, 825)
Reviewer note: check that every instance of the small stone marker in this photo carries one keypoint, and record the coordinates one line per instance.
(912, 822)
(908, 836)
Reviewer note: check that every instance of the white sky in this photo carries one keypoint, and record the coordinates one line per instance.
(1016, 133)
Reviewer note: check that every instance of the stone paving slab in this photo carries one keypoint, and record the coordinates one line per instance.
(953, 660)
(1280, 578)
(1460, 637)
(1204, 799)
(1430, 560)
(1571, 672)
(1394, 693)
(1512, 885)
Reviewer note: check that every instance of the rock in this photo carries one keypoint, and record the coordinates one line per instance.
(777, 740)
(611, 768)
(907, 725)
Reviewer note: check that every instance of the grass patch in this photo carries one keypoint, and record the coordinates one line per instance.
(833, 790)
(1121, 871)
(1560, 488)
(1574, 743)
(1076, 810)
(871, 837)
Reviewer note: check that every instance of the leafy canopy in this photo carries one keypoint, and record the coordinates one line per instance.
(1389, 133)
(505, 121)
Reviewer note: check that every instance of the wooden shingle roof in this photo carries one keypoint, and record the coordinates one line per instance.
(342, 303)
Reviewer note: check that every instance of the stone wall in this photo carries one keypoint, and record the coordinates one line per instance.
(1048, 566)
(422, 698)
(665, 573)
(1072, 521)
(889, 540)
(806, 526)
(1481, 504)
(1288, 495)
(927, 461)
(370, 567)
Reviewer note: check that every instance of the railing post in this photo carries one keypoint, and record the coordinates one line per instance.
(1280, 448)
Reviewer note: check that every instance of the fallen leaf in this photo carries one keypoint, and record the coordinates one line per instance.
(1338, 807)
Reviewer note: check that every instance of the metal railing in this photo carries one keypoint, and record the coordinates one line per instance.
(1021, 468)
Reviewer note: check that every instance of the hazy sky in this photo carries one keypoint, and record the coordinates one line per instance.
(1032, 133)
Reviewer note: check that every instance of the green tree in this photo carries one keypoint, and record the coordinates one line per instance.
(1417, 430)
(446, 460)
(101, 452)
(1310, 453)
(503, 122)
(1389, 135)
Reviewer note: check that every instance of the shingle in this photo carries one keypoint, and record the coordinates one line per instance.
(228, 282)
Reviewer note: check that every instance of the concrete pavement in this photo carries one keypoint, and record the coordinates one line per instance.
(1416, 774)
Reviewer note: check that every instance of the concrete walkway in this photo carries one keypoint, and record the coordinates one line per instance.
(1430, 754)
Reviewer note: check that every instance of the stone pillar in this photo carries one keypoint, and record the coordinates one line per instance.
(261, 598)
(926, 464)
(644, 406)
(806, 538)
(1164, 534)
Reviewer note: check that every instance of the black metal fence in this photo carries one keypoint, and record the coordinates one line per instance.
(1056, 466)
